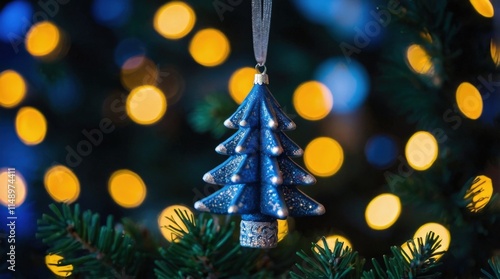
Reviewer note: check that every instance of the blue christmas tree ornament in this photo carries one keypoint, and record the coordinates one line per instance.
(259, 178)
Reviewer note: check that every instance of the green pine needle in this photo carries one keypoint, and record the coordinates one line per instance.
(325, 263)
(93, 250)
(205, 249)
(494, 266)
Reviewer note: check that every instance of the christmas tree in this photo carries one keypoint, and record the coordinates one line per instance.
(260, 177)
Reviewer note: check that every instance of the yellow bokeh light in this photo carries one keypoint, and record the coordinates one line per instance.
(12, 88)
(174, 20)
(127, 188)
(418, 59)
(483, 7)
(146, 105)
(330, 240)
(164, 222)
(43, 39)
(323, 156)
(421, 150)
(439, 230)
(51, 260)
(240, 83)
(383, 211)
(481, 191)
(282, 229)
(62, 184)
(495, 52)
(469, 100)
(17, 193)
(31, 126)
(209, 47)
(312, 100)
(138, 70)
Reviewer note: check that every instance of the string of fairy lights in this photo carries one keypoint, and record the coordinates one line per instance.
(147, 103)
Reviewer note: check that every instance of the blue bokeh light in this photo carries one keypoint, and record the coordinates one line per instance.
(64, 94)
(348, 82)
(15, 20)
(128, 48)
(111, 13)
(381, 151)
(341, 16)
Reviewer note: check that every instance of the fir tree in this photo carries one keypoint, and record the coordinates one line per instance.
(260, 177)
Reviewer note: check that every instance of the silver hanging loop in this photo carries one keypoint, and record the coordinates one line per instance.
(261, 23)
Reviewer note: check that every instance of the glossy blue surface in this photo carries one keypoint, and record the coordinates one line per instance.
(260, 177)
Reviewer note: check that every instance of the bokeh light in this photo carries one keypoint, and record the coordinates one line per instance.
(282, 229)
(128, 48)
(481, 191)
(164, 222)
(174, 20)
(146, 105)
(138, 70)
(348, 83)
(330, 240)
(240, 83)
(12, 88)
(112, 13)
(383, 211)
(312, 100)
(127, 188)
(381, 151)
(323, 156)
(10, 24)
(421, 150)
(62, 184)
(483, 7)
(43, 39)
(418, 59)
(469, 100)
(31, 126)
(438, 229)
(495, 52)
(20, 188)
(51, 260)
(339, 15)
(209, 47)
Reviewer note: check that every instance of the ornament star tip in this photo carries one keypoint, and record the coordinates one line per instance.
(208, 178)
(235, 178)
(201, 206)
(221, 149)
(239, 149)
(229, 124)
(277, 150)
(232, 209)
(320, 210)
(276, 180)
(282, 213)
(272, 124)
(309, 179)
(298, 152)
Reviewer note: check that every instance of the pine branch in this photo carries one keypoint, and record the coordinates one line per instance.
(92, 249)
(421, 262)
(205, 250)
(209, 115)
(494, 266)
(325, 263)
